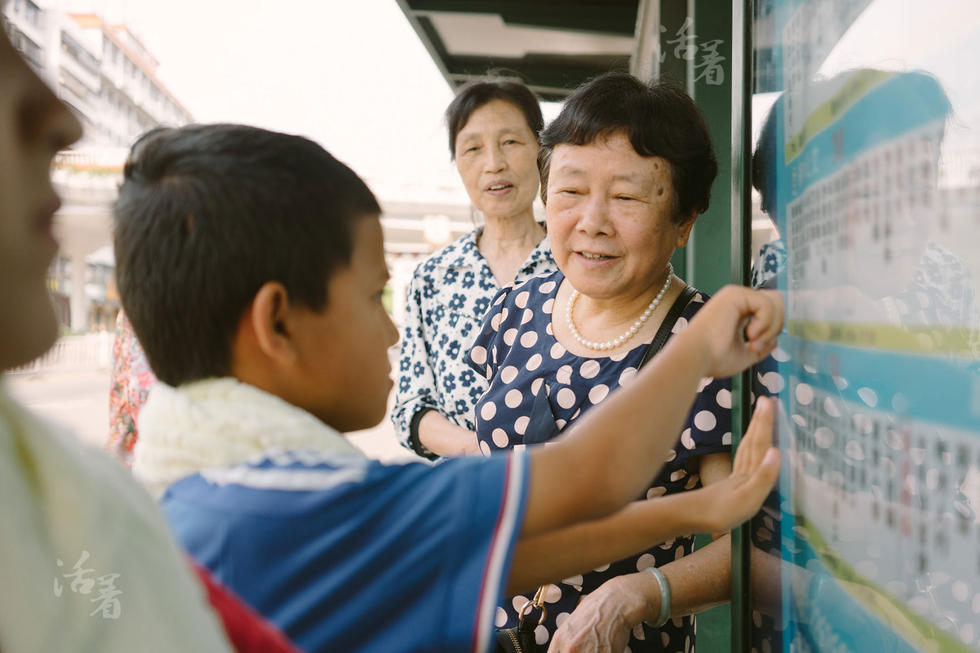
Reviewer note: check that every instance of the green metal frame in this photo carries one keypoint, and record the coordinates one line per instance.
(609, 16)
(741, 221)
(672, 15)
(719, 251)
(709, 252)
(551, 76)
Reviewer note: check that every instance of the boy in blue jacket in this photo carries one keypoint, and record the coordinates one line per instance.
(251, 265)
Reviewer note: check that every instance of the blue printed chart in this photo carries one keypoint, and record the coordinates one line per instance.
(872, 176)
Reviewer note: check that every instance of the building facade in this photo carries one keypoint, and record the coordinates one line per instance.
(108, 77)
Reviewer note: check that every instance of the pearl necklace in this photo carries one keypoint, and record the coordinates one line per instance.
(619, 340)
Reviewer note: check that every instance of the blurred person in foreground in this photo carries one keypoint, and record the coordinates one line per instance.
(86, 559)
(275, 248)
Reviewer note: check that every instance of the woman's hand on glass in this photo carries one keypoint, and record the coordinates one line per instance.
(754, 472)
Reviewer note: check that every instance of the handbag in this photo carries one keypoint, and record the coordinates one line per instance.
(520, 638)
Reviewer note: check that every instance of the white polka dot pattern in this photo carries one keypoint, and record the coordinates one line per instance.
(598, 393)
(529, 339)
(705, 420)
(520, 425)
(500, 617)
(479, 355)
(564, 374)
(488, 410)
(627, 376)
(589, 369)
(508, 374)
(533, 372)
(500, 438)
(804, 394)
(724, 398)
(566, 398)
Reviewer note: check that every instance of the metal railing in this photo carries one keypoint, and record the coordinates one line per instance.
(90, 351)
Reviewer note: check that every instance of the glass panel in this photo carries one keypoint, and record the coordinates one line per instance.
(867, 167)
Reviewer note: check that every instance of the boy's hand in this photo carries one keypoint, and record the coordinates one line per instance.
(737, 328)
(754, 472)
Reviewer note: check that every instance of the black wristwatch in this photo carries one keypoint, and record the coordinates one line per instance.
(413, 436)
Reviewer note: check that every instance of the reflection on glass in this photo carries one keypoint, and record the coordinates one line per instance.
(868, 164)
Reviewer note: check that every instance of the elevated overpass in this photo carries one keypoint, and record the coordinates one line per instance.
(87, 181)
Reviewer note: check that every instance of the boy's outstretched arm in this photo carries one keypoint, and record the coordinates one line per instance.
(607, 458)
(559, 554)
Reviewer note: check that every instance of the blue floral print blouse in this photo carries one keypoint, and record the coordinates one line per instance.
(449, 295)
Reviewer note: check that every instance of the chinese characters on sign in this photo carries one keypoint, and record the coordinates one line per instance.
(82, 580)
(709, 66)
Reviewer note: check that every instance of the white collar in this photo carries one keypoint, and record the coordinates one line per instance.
(218, 423)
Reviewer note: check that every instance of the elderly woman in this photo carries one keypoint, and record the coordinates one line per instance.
(626, 168)
(493, 138)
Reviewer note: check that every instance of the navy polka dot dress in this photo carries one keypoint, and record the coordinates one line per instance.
(537, 388)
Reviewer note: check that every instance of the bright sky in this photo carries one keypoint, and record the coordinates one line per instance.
(938, 37)
(351, 75)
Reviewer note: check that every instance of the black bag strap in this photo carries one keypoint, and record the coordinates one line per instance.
(542, 426)
(668, 324)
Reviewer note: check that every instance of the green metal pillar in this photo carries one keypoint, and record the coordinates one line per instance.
(741, 225)
(697, 45)
(710, 78)
(705, 47)
(672, 68)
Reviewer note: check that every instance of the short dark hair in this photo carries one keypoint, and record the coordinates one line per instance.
(473, 95)
(659, 119)
(764, 161)
(206, 215)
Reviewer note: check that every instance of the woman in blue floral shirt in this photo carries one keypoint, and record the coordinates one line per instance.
(493, 138)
